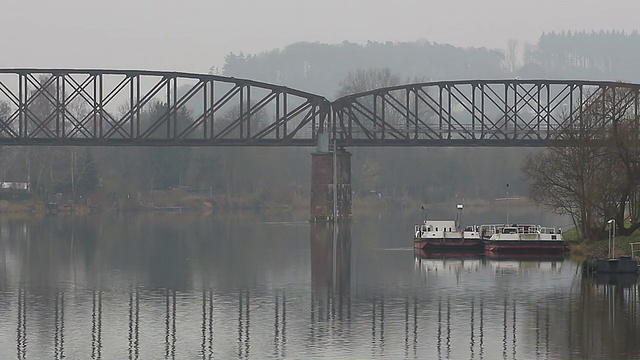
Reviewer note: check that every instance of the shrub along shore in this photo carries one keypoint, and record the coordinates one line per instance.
(600, 248)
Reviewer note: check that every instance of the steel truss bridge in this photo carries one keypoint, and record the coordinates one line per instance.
(154, 108)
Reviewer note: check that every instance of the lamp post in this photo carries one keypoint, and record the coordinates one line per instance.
(458, 217)
(612, 238)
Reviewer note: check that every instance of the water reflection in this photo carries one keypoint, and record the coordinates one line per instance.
(607, 317)
(176, 287)
(134, 323)
(96, 325)
(597, 318)
(331, 268)
(330, 249)
(280, 325)
(59, 326)
(243, 325)
(21, 340)
(207, 324)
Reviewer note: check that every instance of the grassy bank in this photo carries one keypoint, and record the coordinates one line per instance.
(600, 248)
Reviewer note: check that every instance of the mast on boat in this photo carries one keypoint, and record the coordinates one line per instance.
(458, 217)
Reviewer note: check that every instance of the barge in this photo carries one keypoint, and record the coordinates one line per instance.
(522, 238)
(444, 235)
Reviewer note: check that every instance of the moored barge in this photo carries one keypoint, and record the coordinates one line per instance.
(443, 235)
(522, 238)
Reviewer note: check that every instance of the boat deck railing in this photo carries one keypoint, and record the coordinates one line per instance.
(488, 230)
(519, 229)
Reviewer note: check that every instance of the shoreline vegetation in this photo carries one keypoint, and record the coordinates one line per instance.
(205, 203)
(600, 248)
(180, 200)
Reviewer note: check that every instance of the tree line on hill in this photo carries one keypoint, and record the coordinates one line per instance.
(601, 55)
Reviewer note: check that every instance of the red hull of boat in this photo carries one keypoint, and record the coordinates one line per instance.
(448, 245)
(532, 248)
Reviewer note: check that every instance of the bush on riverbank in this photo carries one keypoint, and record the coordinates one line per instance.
(600, 248)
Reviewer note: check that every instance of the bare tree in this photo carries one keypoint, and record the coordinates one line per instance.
(365, 80)
(512, 55)
(596, 175)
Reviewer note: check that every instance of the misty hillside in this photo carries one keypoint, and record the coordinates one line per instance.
(437, 174)
(319, 68)
(603, 55)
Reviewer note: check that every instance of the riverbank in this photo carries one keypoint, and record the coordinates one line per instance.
(205, 202)
(187, 200)
(182, 199)
(600, 248)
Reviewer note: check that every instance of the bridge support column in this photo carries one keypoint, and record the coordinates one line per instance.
(322, 186)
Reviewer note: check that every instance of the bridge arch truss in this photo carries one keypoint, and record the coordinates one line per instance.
(153, 108)
(482, 112)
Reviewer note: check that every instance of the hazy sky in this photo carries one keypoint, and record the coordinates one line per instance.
(193, 35)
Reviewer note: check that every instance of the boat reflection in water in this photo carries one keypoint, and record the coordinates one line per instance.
(524, 263)
(448, 261)
(625, 280)
(497, 262)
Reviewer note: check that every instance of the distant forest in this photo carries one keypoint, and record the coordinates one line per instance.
(320, 68)
(603, 55)
(262, 176)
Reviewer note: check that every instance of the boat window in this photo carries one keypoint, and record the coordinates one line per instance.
(436, 228)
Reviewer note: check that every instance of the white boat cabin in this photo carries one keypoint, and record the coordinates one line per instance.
(520, 232)
(441, 229)
(437, 225)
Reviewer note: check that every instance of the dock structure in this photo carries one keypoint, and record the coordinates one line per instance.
(623, 264)
(635, 247)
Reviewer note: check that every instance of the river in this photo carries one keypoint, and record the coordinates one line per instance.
(271, 286)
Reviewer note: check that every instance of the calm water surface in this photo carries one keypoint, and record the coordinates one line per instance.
(271, 286)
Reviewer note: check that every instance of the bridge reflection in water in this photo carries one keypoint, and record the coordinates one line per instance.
(464, 306)
(330, 271)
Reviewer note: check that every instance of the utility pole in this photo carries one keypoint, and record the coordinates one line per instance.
(335, 212)
(507, 200)
(335, 181)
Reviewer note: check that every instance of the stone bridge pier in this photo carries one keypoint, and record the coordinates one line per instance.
(330, 182)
